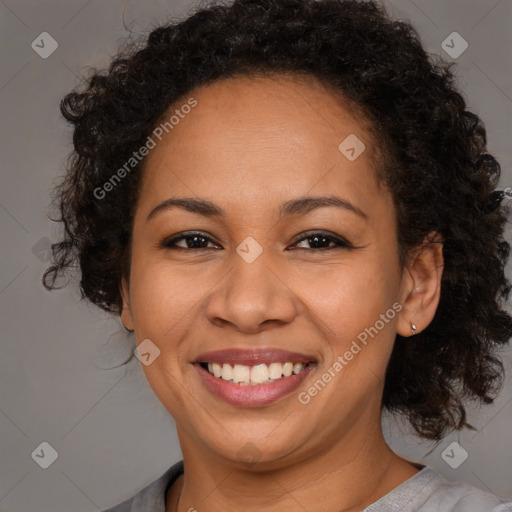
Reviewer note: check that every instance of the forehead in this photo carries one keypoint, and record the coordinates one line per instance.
(261, 139)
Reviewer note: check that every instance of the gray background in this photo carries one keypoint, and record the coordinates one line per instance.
(112, 435)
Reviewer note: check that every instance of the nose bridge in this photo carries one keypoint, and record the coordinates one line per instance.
(252, 293)
(253, 282)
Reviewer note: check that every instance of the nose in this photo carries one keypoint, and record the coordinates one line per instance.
(251, 297)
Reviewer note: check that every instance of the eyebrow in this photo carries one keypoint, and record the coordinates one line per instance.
(298, 206)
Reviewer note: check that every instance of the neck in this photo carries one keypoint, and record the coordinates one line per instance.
(350, 475)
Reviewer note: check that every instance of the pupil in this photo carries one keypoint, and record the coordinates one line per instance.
(317, 237)
(192, 242)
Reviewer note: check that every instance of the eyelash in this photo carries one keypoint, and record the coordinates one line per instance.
(341, 243)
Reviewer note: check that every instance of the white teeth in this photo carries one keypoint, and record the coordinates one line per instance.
(251, 375)
(240, 373)
(260, 374)
(217, 369)
(287, 369)
(227, 372)
(298, 367)
(275, 370)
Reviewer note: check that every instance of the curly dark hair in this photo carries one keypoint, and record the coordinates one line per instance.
(437, 168)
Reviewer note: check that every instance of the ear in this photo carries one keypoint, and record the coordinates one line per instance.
(421, 286)
(126, 313)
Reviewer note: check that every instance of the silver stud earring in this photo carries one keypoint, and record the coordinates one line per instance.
(413, 328)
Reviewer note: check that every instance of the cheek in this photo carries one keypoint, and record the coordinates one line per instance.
(160, 296)
(347, 298)
(162, 300)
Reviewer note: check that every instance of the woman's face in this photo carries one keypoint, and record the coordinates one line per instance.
(255, 279)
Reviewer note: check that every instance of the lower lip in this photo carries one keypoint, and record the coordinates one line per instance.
(252, 396)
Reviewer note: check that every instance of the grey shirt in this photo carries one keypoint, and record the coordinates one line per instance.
(426, 491)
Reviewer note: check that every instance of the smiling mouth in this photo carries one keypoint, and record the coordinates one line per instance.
(244, 375)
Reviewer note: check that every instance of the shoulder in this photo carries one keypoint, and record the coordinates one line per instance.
(430, 491)
(151, 497)
(455, 496)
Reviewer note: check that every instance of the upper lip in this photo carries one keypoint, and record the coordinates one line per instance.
(253, 357)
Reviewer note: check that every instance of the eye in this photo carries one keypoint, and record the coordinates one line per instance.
(193, 240)
(319, 238)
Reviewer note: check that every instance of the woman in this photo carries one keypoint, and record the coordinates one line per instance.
(288, 204)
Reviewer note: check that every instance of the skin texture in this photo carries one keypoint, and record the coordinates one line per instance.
(248, 146)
